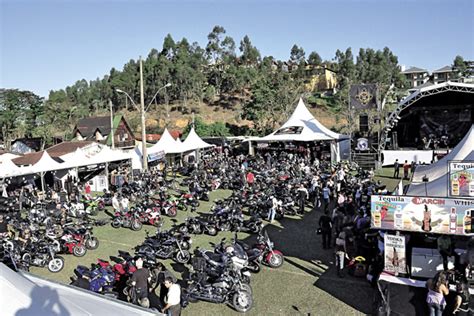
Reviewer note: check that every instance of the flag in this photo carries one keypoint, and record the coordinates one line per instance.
(363, 96)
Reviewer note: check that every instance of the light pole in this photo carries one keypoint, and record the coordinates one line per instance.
(143, 110)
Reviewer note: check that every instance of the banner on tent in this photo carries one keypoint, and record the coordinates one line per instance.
(363, 96)
(423, 214)
(156, 156)
(395, 254)
(461, 178)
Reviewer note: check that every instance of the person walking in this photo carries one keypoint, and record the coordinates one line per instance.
(406, 170)
(302, 196)
(325, 224)
(173, 298)
(326, 197)
(396, 169)
(341, 253)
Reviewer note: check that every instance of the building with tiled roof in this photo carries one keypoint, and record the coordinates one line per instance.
(99, 129)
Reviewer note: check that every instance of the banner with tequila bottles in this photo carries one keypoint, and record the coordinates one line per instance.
(423, 214)
(395, 254)
(461, 178)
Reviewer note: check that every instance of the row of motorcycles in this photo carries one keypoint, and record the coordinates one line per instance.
(43, 243)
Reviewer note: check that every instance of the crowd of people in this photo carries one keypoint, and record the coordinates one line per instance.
(339, 192)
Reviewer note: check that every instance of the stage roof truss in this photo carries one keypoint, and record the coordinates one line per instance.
(414, 97)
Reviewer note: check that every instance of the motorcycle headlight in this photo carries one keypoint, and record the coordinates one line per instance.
(190, 241)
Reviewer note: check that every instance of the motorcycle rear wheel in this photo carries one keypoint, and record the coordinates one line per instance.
(116, 223)
(79, 250)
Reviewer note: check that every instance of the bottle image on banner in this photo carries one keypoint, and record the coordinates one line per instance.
(377, 217)
(426, 224)
(398, 218)
(455, 185)
(467, 222)
(453, 220)
(471, 185)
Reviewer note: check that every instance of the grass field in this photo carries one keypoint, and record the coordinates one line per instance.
(306, 284)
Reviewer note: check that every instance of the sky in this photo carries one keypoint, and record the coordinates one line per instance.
(50, 44)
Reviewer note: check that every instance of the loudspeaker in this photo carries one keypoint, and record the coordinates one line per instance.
(363, 123)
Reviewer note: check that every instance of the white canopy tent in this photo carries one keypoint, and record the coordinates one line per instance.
(167, 144)
(194, 142)
(8, 168)
(23, 294)
(302, 126)
(437, 173)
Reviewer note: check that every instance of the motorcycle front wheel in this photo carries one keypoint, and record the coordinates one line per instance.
(92, 243)
(55, 265)
(276, 260)
(182, 256)
(172, 212)
(136, 225)
(212, 231)
(242, 301)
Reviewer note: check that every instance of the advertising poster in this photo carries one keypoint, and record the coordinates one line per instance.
(461, 179)
(423, 214)
(395, 255)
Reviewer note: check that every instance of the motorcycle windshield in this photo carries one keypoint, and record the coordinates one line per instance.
(239, 251)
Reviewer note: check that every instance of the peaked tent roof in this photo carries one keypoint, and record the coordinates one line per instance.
(8, 168)
(167, 144)
(46, 163)
(463, 151)
(310, 129)
(193, 141)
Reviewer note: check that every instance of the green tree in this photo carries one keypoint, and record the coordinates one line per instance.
(314, 59)
(297, 55)
(460, 66)
(19, 113)
(250, 54)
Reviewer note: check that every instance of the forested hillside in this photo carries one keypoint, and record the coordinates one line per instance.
(227, 81)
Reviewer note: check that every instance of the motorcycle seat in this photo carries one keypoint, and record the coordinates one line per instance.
(213, 256)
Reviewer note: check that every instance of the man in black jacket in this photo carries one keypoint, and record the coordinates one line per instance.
(325, 223)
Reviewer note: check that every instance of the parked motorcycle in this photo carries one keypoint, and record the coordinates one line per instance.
(128, 220)
(195, 225)
(171, 247)
(262, 252)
